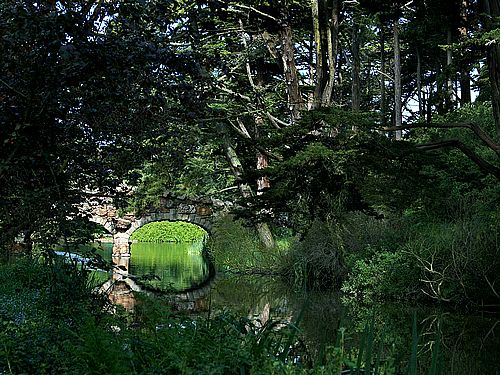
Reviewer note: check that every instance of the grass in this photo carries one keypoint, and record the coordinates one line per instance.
(236, 247)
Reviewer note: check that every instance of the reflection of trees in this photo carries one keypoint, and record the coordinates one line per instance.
(468, 344)
(261, 297)
(178, 266)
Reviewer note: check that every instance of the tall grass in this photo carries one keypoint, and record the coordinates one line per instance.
(68, 330)
(317, 261)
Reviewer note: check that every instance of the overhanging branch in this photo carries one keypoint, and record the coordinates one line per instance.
(490, 143)
(480, 162)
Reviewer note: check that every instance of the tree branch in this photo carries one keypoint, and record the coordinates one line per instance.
(243, 132)
(12, 88)
(234, 93)
(490, 143)
(480, 162)
(253, 10)
(276, 121)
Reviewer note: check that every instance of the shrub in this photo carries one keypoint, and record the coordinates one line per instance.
(383, 276)
(166, 231)
(459, 260)
(317, 261)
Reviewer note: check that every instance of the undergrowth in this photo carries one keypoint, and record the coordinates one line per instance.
(235, 246)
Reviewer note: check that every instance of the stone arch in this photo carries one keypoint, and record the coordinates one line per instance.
(121, 240)
(104, 222)
(170, 216)
(172, 207)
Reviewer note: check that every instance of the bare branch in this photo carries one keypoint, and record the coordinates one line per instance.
(241, 6)
(12, 88)
(492, 287)
(473, 127)
(276, 121)
(247, 62)
(243, 132)
(234, 93)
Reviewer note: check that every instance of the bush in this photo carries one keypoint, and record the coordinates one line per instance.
(384, 276)
(453, 260)
(317, 261)
(166, 231)
(459, 260)
(42, 315)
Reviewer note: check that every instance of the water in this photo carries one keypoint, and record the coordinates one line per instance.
(469, 343)
(169, 266)
(162, 266)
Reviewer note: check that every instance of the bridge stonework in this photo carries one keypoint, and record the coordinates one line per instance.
(172, 207)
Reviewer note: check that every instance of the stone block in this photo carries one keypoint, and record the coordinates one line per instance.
(122, 224)
(172, 215)
(186, 209)
(203, 211)
(168, 203)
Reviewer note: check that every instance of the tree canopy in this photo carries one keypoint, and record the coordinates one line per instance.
(296, 107)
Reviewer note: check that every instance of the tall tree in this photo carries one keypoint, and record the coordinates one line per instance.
(491, 10)
(398, 112)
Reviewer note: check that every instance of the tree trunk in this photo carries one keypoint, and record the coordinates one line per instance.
(419, 84)
(449, 81)
(492, 12)
(263, 230)
(332, 42)
(356, 90)
(493, 59)
(295, 104)
(262, 159)
(319, 53)
(465, 96)
(465, 87)
(397, 81)
(382, 76)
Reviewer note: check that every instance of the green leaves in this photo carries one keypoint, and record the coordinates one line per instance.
(165, 231)
(81, 89)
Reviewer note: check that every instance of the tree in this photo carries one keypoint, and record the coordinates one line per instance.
(83, 87)
(491, 10)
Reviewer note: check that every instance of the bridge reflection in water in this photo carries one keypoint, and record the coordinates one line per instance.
(176, 271)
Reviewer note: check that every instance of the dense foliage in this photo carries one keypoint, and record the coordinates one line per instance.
(366, 131)
(166, 231)
(50, 324)
(84, 90)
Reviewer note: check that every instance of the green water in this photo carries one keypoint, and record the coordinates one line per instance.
(163, 266)
(469, 343)
(168, 266)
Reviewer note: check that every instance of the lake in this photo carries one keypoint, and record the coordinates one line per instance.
(468, 343)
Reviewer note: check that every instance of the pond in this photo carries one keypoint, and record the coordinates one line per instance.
(163, 266)
(468, 344)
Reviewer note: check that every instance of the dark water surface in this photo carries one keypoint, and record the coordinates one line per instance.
(468, 344)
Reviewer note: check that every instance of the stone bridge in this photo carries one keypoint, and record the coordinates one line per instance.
(172, 207)
(121, 286)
